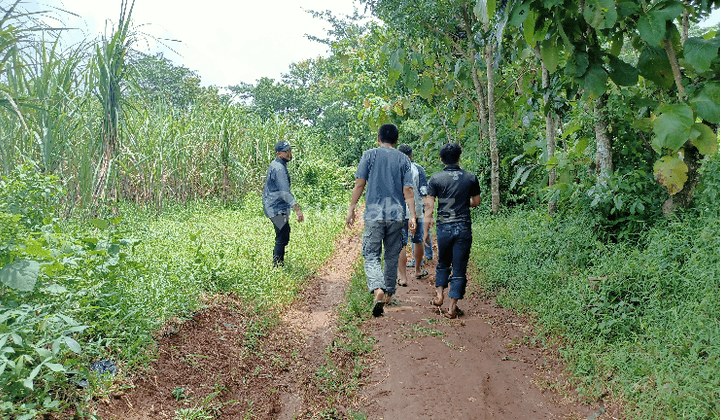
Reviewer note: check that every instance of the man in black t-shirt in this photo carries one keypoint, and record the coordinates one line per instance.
(456, 191)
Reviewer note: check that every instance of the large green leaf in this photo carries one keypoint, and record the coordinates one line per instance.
(100, 223)
(519, 14)
(672, 127)
(704, 138)
(426, 87)
(651, 27)
(529, 27)
(669, 9)
(700, 53)
(411, 79)
(577, 64)
(627, 8)
(484, 10)
(20, 275)
(550, 55)
(622, 73)
(73, 345)
(671, 173)
(600, 14)
(595, 81)
(707, 102)
(654, 65)
(395, 63)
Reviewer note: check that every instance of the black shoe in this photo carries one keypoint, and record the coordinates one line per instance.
(378, 308)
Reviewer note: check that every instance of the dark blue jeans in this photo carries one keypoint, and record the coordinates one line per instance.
(454, 242)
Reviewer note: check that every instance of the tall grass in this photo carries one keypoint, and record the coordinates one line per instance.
(79, 116)
(100, 289)
(642, 321)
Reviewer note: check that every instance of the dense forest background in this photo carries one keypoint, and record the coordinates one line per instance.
(592, 125)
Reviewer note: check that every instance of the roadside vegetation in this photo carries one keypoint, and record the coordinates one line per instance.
(130, 192)
(638, 319)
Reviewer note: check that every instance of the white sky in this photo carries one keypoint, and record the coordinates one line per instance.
(225, 41)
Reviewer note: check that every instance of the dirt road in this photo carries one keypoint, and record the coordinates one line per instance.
(482, 365)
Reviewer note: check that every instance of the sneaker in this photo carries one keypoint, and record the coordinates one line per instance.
(410, 264)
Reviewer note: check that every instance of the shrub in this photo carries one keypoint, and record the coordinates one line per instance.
(30, 194)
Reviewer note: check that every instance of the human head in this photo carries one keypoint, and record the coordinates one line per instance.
(283, 150)
(450, 153)
(407, 149)
(282, 146)
(388, 133)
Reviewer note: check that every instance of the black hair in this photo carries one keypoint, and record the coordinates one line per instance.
(405, 148)
(388, 133)
(450, 153)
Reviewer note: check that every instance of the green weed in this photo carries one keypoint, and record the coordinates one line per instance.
(642, 320)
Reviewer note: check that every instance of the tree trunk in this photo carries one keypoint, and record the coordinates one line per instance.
(482, 110)
(550, 129)
(603, 157)
(492, 131)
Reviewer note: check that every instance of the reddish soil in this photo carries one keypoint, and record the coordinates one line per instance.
(229, 363)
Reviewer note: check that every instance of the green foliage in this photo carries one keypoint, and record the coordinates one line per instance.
(624, 206)
(72, 293)
(160, 79)
(58, 311)
(320, 182)
(709, 189)
(639, 320)
(30, 195)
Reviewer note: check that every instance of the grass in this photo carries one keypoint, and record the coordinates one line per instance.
(642, 321)
(107, 286)
(339, 379)
(202, 249)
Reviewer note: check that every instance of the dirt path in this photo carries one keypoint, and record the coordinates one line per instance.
(480, 366)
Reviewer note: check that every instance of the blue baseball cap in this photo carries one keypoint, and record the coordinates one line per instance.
(282, 146)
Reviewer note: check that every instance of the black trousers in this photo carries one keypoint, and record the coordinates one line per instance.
(281, 223)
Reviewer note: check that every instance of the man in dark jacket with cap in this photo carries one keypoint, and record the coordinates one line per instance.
(278, 200)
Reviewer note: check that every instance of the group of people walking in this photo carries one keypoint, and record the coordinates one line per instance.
(399, 205)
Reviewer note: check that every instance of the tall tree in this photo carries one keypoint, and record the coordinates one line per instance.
(463, 36)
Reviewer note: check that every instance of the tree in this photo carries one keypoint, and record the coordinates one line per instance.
(460, 34)
(584, 40)
(159, 77)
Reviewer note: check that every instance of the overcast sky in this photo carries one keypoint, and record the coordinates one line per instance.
(225, 41)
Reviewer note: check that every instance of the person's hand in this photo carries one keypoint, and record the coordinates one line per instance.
(300, 216)
(428, 225)
(412, 226)
(350, 219)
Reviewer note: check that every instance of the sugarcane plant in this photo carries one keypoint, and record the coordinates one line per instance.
(111, 76)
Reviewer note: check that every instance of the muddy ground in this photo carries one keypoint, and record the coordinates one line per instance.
(226, 363)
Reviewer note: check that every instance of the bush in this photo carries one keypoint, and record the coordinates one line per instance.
(642, 321)
(30, 194)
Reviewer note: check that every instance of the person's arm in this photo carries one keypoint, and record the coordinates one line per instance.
(299, 213)
(429, 202)
(280, 177)
(410, 201)
(475, 200)
(357, 192)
